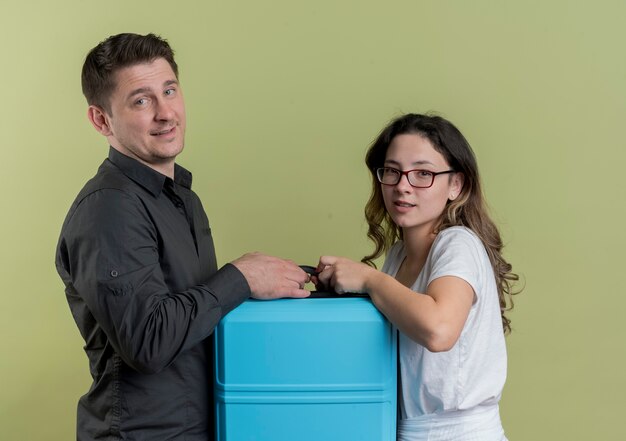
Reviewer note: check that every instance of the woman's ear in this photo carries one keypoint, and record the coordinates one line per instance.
(99, 119)
(456, 186)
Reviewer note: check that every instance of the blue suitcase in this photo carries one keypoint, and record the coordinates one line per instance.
(318, 369)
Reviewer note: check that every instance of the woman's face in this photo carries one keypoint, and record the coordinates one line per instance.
(418, 208)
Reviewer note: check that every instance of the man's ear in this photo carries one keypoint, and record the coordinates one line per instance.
(99, 119)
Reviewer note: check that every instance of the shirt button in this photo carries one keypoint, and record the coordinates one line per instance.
(114, 273)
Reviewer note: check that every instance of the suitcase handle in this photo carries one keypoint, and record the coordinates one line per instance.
(327, 294)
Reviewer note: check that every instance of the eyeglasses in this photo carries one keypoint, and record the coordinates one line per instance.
(417, 178)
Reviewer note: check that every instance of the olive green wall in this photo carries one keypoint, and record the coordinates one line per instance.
(283, 98)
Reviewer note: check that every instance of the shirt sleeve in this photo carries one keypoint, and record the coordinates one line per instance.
(111, 255)
(458, 252)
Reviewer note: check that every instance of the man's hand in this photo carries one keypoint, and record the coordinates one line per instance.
(271, 277)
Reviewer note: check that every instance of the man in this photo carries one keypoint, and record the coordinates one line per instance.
(137, 258)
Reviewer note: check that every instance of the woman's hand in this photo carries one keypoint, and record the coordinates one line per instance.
(343, 275)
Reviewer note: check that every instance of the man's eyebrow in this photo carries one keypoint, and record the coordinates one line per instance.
(141, 90)
(138, 91)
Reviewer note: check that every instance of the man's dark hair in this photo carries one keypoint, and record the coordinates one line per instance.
(114, 53)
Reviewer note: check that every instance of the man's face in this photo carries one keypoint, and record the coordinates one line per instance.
(147, 116)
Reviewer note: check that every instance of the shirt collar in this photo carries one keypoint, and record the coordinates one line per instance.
(145, 176)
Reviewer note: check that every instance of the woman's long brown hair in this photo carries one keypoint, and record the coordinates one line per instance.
(468, 209)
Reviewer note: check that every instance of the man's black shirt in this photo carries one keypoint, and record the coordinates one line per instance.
(137, 258)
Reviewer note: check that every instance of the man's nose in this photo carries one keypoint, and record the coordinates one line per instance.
(164, 110)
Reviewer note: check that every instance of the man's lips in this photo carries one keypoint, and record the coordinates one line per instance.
(162, 132)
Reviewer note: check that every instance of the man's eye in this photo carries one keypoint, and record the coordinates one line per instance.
(141, 101)
(170, 91)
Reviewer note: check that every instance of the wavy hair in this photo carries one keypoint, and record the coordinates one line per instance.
(468, 209)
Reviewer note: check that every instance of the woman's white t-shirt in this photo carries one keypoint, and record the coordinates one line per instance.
(473, 372)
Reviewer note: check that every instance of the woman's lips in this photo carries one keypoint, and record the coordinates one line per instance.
(403, 204)
(403, 207)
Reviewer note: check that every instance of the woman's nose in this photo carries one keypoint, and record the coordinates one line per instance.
(403, 183)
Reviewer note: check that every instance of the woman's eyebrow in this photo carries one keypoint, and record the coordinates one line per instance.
(420, 162)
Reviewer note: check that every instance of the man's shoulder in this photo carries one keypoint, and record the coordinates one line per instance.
(108, 177)
(107, 187)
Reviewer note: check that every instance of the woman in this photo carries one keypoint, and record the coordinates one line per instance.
(444, 283)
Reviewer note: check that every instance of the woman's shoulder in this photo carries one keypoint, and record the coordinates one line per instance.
(458, 233)
(457, 239)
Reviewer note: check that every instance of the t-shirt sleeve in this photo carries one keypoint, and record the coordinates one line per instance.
(458, 252)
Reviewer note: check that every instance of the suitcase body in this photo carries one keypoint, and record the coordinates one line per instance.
(305, 369)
